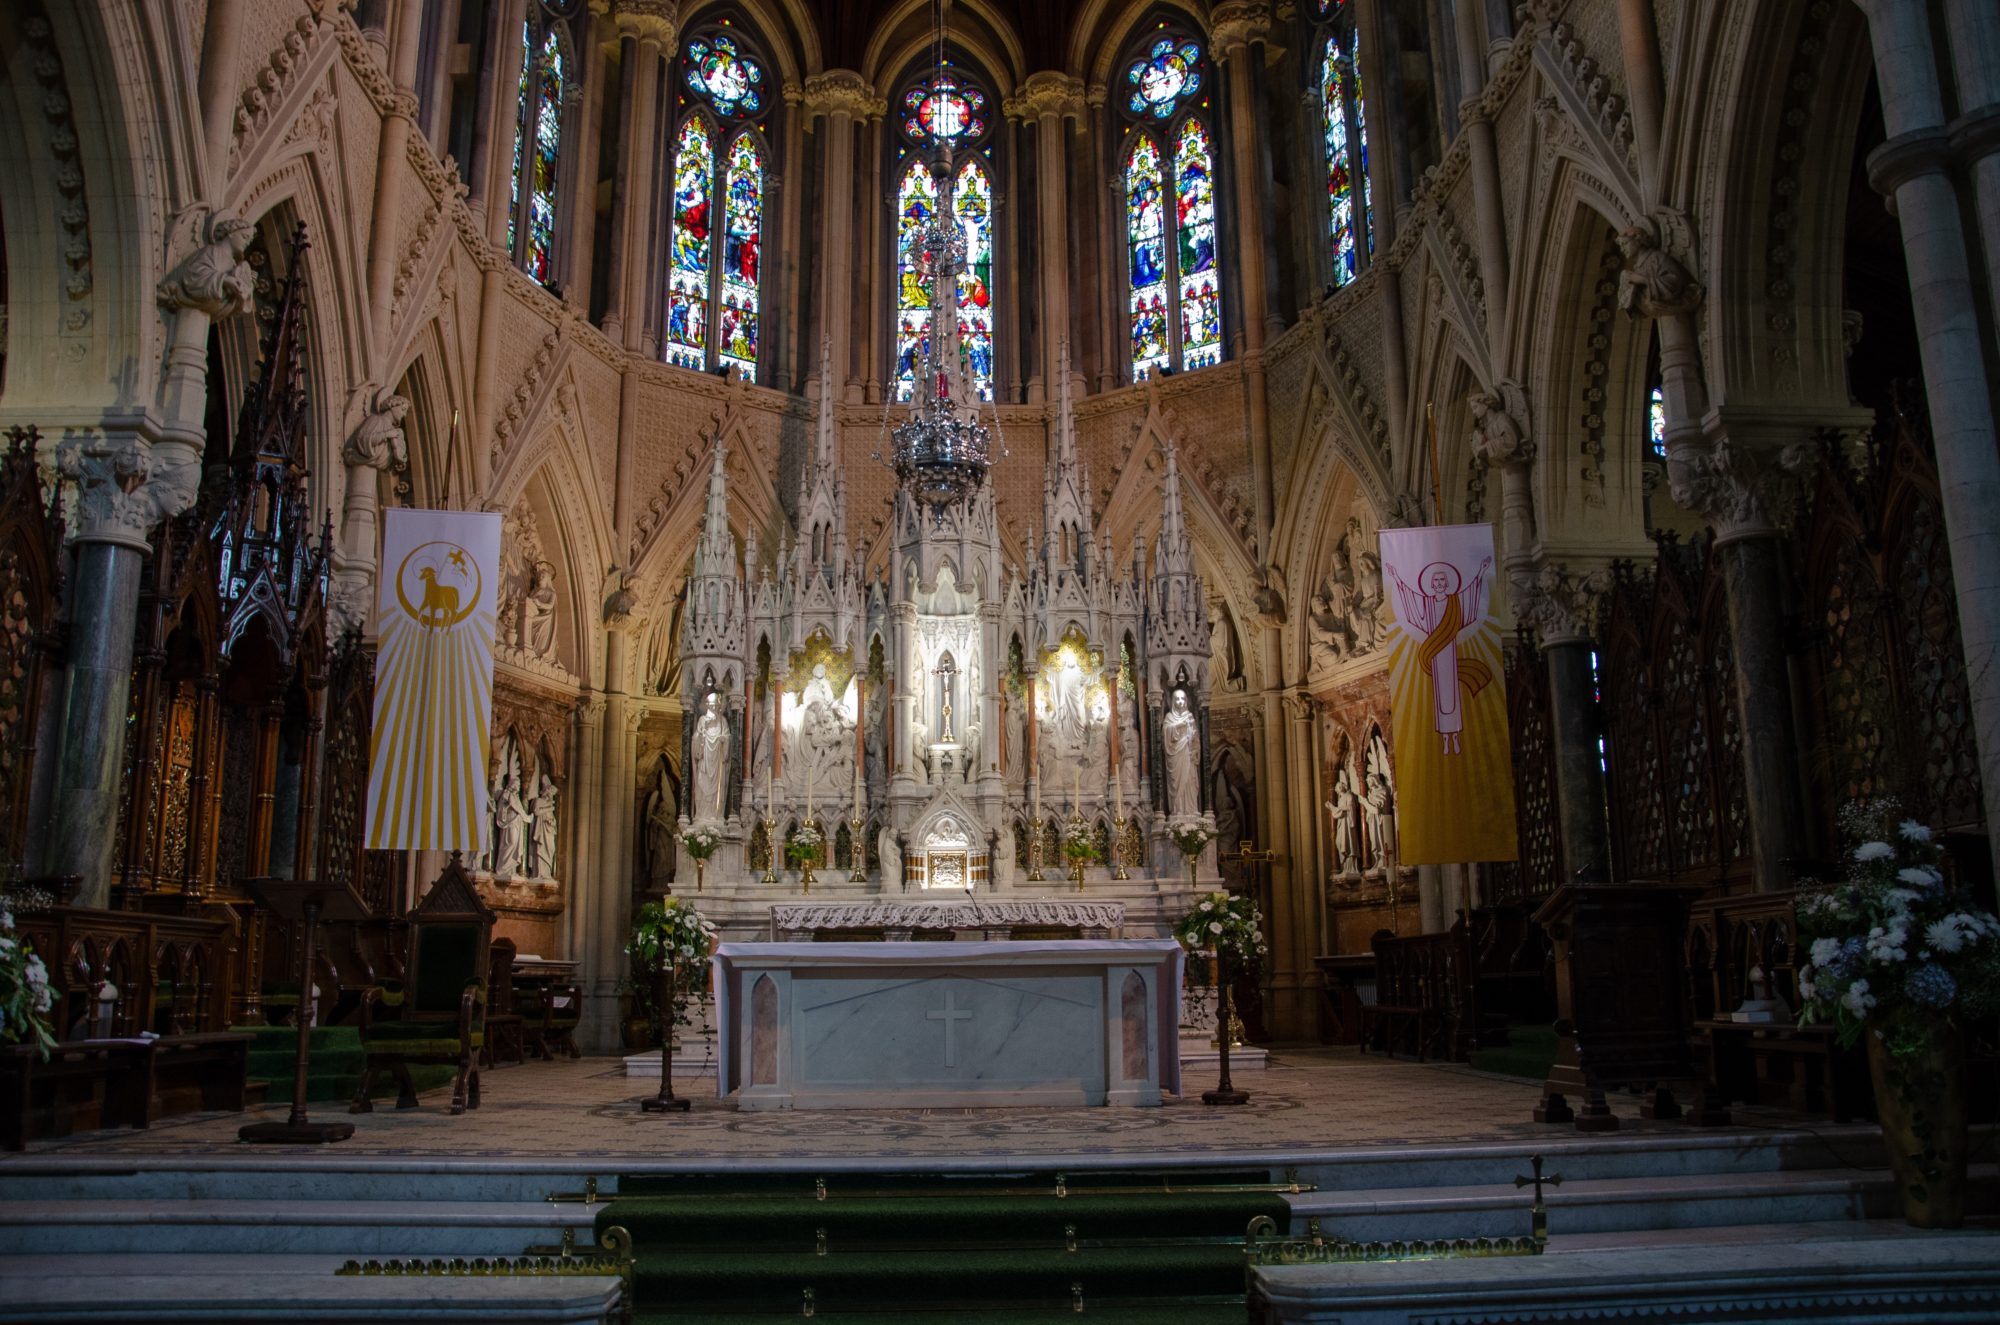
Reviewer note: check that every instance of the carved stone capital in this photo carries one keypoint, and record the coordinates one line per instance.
(1559, 603)
(843, 92)
(378, 442)
(212, 277)
(1048, 93)
(1744, 491)
(1654, 283)
(1500, 424)
(125, 487)
(648, 20)
(1234, 24)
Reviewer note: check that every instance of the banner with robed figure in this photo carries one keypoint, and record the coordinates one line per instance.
(434, 621)
(1447, 695)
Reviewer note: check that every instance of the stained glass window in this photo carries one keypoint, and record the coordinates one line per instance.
(537, 143)
(716, 234)
(688, 242)
(743, 229)
(1146, 237)
(1194, 229)
(1656, 422)
(972, 198)
(944, 108)
(1339, 164)
(1164, 78)
(916, 203)
(732, 81)
(1345, 130)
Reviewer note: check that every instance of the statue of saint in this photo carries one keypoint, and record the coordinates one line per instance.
(659, 829)
(510, 829)
(538, 613)
(709, 756)
(1346, 809)
(544, 865)
(1180, 736)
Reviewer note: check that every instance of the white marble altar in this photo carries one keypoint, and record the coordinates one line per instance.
(992, 918)
(947, 1025)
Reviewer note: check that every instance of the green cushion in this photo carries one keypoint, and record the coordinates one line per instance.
(406, 1035)
(447, 960)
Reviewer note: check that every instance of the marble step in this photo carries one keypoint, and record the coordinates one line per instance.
(355, 1228)
(195, 1289)
(1831, 1275)
(409, 1182)
(1617, 1205)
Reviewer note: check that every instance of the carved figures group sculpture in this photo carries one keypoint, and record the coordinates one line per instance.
(1363, 810)
(1345, 611)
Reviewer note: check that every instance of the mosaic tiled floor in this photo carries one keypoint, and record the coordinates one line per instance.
(1305, 1101)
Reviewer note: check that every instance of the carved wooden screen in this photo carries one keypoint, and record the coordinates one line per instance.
(1673, 745)
(30, 530)
(1540, 868)
(1887, 710)
(349, 707)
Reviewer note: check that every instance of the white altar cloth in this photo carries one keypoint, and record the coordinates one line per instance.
(947, 1025)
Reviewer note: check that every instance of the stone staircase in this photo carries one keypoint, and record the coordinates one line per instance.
(221, 1238)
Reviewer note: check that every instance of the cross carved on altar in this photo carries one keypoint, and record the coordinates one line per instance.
(950, 1014)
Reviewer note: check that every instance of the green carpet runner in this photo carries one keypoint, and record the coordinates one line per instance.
(1015, 1249)
(333, 1070)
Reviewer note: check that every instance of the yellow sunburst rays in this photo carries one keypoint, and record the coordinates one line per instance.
(430, 742)
(1451, 807)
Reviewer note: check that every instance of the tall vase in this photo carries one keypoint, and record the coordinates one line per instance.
(1921, 1102)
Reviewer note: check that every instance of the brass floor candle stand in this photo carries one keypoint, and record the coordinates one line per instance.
(666, 1101)
(1225, 1092)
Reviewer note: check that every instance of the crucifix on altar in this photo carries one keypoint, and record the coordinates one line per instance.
(946, 671)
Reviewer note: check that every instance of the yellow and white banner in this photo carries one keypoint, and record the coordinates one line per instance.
(434, 612)
(1448, 698)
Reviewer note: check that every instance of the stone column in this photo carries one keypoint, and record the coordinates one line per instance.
(791, 294)
(1384, 185)
(218, 88)
(493, 119)
(1561, 604)
(1046, 100)
(392, 168)
(376, 447)
(840, 97)
(1488, 207)
(1112, 277)
(1645, 94)
(1975, 134)
(1909, 169)
(646, 33)
(126, 484)
(585, 96)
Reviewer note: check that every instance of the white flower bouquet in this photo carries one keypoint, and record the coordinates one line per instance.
(803, 848)
(1894, 949)
(701, 841)
(25, 997)
(1189, 836)
(1228, 926)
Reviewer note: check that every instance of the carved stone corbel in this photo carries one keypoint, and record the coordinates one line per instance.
(213, 278)
(124, 487)
(1559, 604)
(1654, 283)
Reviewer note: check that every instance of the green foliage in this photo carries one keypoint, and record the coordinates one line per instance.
(701, 841)
(672, 942)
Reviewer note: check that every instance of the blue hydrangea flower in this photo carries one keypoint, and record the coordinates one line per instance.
(1931, 986)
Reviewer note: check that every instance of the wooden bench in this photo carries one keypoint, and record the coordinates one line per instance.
(82, 1085)
(1425, 996)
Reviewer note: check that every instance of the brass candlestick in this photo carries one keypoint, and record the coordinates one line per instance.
(1118, 848)
(1035, 849)
(857, 852)
(770, 849)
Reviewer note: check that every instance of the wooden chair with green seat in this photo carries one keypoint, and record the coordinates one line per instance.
(437, 1014)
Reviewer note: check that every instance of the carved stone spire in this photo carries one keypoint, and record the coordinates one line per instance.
(1066, 519)
(715, 554)
(822, 504)
(1175, 555)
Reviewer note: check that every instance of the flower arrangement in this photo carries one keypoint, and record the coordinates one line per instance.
(1894, 950)
(25, 997)
(1227, 925)
(701, 841)
(803, 847)
(671, 932)
(1189, 836)
(1079, 843)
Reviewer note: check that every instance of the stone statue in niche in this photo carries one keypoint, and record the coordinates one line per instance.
(824, 737)
(1378, 817)
(1128, 745)
(891, 857)
(510, 827)
(661, 809)
(709, 761)
(1224, 649)
(543, 866)
(1180, 740)
(538, 613)
(1345, 807)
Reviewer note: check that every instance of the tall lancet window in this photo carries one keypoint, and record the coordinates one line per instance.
(716, 222)
(538, 126)
(1350, 219)
(945, 108)
(1171, 251)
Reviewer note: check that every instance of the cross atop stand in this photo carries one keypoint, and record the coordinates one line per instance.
(1539, 1211)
